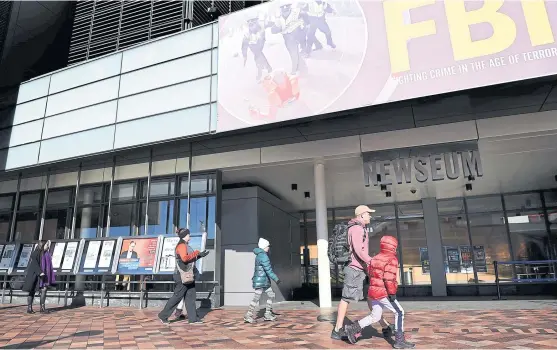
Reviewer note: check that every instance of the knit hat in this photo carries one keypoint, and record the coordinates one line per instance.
(183, 232)
(263, 243)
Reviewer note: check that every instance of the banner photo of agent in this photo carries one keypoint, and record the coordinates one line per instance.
(137, 256)
(285, 60)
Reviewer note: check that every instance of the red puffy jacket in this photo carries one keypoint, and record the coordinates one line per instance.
(383, 270)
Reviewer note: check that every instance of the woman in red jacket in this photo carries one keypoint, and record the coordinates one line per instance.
(383, 286)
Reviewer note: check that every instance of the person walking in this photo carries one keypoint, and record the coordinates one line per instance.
(184, 277)
(261, 281)
(39, 274)
(383, 287)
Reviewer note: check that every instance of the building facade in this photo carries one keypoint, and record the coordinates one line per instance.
(175, 132)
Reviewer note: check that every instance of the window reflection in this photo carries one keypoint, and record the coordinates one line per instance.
(122, 220)
(28, 216)
(415, 257)
(202, 215)
(161, 217)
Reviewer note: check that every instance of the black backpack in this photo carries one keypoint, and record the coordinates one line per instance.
(339, 251)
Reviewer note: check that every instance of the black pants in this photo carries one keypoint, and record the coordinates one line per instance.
(321, 24)
(181, 291)
(261, 62)
(294, 42)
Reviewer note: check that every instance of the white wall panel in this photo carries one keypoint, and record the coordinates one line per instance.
(79, 144)
(214, 86)
(179, 45)
(62, 180)
(166, 126)
(22, 156)
(168, 73)
(517, 124)
(81, 119)
(309, 150)
(83, 96)
(215, 59)
(164, 100)
(26, 133)
(86, 73)
(215, 34)
(227, 160)
(29, 111)
(33, 89)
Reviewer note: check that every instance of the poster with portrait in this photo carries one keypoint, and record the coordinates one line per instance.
(167, 261)
(107, 252)
(137, 256)
(24, 256)
(92, 255)
(58, 254)
(69, 256)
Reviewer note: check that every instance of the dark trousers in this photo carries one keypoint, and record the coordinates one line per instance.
(261, 62)
(294, 42)
(181, 291)
(321, 24)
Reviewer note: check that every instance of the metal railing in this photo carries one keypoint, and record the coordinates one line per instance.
(535, 271)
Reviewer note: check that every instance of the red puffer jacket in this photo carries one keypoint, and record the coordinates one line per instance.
(383, 270)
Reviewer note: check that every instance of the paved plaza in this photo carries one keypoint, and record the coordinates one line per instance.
(431, 325)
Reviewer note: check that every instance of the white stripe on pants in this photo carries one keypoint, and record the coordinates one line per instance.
(377, 306)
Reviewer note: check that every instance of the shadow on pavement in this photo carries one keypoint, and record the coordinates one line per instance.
(35, 344)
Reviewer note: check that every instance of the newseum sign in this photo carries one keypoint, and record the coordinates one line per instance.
(285, 60)
(435, 167)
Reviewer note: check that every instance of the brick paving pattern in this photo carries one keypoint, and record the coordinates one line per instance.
(126, 328)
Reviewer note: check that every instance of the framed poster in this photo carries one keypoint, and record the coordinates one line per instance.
(198, 242)
(167, 261)
(466, 258)
(479, 256)
(107, 254)
(24, 256)
(92, 255)
(453, 259)
(69, 256)
(137, 256)
(58, 254)
(7, 256)
(424, 259)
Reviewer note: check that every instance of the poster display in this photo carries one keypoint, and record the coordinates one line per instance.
(24, 256)
(107, 252)
(69, 256)
(373, 52)
(198, 242)
(92, 255)
(466, 259)
(7, 256)
(137, 256)
(168, 257)
(424, 259)
(453, 259)
(479, 256)
(58, 254)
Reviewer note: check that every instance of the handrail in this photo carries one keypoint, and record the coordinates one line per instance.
(549, 263)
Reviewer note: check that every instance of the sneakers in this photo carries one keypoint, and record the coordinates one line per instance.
(353, 332)
(163, 321)
(249, 318)
(196, 322)
(388, 331)
(179, 315)
(401, 342)
(269, 316)
(338, 335)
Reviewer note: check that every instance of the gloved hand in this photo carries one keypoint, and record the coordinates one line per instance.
(279, 281)
(392, 298)
(203, 254)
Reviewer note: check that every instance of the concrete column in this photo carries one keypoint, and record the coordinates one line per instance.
(434, 248)
(322, 235)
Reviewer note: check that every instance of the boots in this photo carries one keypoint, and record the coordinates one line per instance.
(401, 342)
(353, 332)
(30, 305)
(43, 309)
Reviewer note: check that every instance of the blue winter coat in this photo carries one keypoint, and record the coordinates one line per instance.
(263, 273)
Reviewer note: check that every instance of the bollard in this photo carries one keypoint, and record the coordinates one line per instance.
(496, 269)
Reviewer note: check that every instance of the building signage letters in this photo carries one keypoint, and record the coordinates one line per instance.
(436, 167)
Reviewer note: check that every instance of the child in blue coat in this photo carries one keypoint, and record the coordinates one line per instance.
(262, 277)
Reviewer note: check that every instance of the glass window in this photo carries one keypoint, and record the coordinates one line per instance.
(84, 96)
(5, 138)
(215, 35)
(124, 192)
(59, 197)
(382, 212)
(89, 195)
(29, 200)
(412, 238)
(33, 89)
(550, 198)
(122, 220)
(27, 225)
(89, 72)
(172, 98)
(29, 111)
(214, 85)
(159, 188)
(529, 237)
(165, 126)
(215, 59)
(490, 243)
(81, 119)
(6, 202)
(79, 144)
(87, 222)
(5, 219)
(199, 185)
(161, 218)
(202, 215)
(26, 133)
(457, 251)
(484, 204)
(175, 46)
(165, 74)
(22, 156)
(56, 223)
(523, 201)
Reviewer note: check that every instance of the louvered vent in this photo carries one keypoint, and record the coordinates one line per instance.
(200, 15)
(5, 9)
(104, 34)
(167, 17)
(136, 19)
(81, 30)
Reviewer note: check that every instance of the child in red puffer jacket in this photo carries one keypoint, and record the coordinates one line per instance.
(383, 286)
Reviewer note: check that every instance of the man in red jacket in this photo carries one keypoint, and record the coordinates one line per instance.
(383, 286)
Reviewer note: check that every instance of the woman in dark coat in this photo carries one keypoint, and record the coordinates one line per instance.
(39, 274)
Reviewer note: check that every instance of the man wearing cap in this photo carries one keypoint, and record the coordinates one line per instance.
(354, 272)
